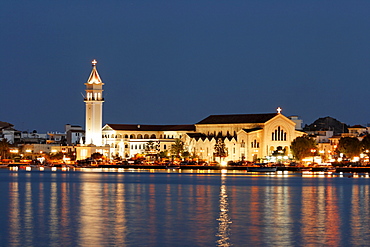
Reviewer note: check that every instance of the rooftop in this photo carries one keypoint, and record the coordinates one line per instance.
(238, 118)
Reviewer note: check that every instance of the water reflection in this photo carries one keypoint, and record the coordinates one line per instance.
(224, 220)
(182, 209)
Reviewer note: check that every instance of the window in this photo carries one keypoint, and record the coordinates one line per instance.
(255, 144)
(279, 134)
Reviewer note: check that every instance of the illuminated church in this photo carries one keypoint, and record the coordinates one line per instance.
(246, 136)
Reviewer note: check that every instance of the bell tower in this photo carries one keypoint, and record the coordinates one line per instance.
(94, 107)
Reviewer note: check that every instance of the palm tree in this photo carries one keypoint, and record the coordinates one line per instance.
(178, 148)
(4, 148)
(151, 149)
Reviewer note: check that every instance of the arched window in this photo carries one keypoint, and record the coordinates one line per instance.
(126, 136)
(132, 136)
(139, 136)
(146, 136)
(153, 136)
(278, 135)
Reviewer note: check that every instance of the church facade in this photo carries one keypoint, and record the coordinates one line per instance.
(247, 137)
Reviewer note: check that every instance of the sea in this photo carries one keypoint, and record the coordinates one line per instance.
(143, 207)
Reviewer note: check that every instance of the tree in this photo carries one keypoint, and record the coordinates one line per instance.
(178, 148)
(4, 148)
(151, 149)
(349, 146)
(301, 147)
(96, 156)
(366, 143)
(220, 149)
(280, 151)
(163, 154)
(186, 154)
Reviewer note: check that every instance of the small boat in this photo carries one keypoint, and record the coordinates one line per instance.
(173, 167)
(262, 168)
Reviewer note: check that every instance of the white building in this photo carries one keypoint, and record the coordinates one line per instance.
(93, 118)
(94, 107)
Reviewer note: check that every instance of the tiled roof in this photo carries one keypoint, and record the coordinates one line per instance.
(5, 125)
(143, 127)
(357, 126)
(238, 118)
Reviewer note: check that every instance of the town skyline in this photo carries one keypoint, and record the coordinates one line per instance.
(176, 63)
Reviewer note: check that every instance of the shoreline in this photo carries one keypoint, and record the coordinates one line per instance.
(298, 169)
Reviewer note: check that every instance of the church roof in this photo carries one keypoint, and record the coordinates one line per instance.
(140, 127)
(94, 75)
(238, 118)
(251, 130)
(197, 135)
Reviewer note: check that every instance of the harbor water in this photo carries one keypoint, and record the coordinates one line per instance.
(95, 207)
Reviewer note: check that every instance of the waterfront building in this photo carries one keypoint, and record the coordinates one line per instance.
(128, 140)
(93, 118)
(74, 134)
(57, 138)
(94, 107)
(246, 136)
(8, 132)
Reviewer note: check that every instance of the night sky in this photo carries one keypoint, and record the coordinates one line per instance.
(177, 62)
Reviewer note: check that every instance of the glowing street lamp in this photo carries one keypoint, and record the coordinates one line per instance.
(313, 151)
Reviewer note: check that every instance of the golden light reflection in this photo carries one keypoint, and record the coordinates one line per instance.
(28, 215)
(14, 214)
(224, 220)
(91, 202)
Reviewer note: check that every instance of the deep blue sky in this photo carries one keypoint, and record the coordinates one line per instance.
(176, 62)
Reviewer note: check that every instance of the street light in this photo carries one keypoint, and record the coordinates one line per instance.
(313, 151)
